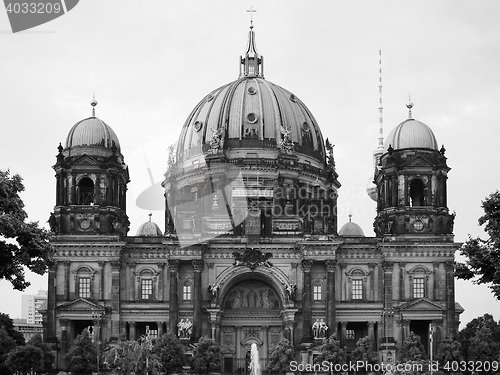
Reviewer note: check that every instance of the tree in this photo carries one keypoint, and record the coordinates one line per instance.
(132, 357)
(330, 352)
(48, 354)
(7, 344)
(483, 256)
(364, 351)
(25, 359)
(207, 356)
(412, 349)
(32, 249)
(281, 355)
(466, 335)
(7, 324)
(170, 352)
(449, 350)
(81, 358)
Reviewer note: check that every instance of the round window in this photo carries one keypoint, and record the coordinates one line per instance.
(252, 91)
(252, 118)
(418, 225)
(198, 125)
(305, 126)
(293, 98)
(209, 97)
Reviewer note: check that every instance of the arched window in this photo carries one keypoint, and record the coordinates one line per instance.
(417, 192)
(84, 280)
(357, 279)
(86, 191)
(419, 277)
(146, 284)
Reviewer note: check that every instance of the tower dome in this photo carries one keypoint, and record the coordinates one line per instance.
(91, 132)
(351, 229)
(251, 113)
(149, 228)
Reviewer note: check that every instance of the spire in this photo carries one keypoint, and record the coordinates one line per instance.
(409, 106)
(150, 214)
(93, 103)
(380, 108)
(251, 62)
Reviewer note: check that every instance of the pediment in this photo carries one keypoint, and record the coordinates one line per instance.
(80, 304)
(421, 304)
(417, 161)
(85, 160)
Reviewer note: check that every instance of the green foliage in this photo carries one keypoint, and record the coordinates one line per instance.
(330, 351)
(281, 355)
(132, 357)
(7, 344)
(32, 249)
(364, 351)
(7, 324)
(483, 256)
(170, 352)
(412, 349)
(207, 356)
(82, 357)
(48, 355)
(25, 359)
(481, 328)
(449, 350)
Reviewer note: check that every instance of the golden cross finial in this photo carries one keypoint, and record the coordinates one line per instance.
(251, 11)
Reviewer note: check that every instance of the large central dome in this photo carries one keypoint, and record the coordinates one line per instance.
(251, 113)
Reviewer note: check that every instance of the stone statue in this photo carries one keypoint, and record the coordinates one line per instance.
(185, 329)
(214, 291)
(217, 142)
(315, 329)
(290, 290)
(52, 223)
(323, 328)
(286, 143)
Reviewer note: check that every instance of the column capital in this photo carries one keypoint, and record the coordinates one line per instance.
(387, 266)
(330, 265)
(66, 263)
(306, 265)
(174, 265)
(402, 264)
(161, 265)
(101, 263)
(116, 266)
(197, 265)
(449, 266)
(131, 266)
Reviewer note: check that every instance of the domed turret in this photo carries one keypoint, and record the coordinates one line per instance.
(149, 228)
(262, 140)
(351, 229)
(411, 134)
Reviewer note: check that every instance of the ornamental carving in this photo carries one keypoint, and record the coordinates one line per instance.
(252, 259)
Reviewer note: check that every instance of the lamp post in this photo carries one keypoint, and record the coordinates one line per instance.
(96, 317)
(385, 314)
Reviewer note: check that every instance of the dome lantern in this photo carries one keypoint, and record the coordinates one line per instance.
(251, 62)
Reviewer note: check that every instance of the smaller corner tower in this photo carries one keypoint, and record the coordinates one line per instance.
(91, 181)
(411, 180)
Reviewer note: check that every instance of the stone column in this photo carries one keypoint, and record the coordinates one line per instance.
(343, 282)
(307, 335)
(343, 329)
(197, 300)
(161, 282)
(371, 282)
(371, 333)
(402, 281)
(49, 331)
(451, 330)
(131, 282)
(132, 331)
(101, 281)
(115, 300)
(388, 302)
(66, 280)
(160, 328)
(330, 295)
(435, 281)
(173, 309)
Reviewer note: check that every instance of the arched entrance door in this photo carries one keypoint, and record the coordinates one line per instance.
(251, 313)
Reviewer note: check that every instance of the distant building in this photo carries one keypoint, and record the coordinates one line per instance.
(251, 252)
(30, 305)
(28, 330)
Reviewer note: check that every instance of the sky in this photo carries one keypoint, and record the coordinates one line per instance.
(150, 62)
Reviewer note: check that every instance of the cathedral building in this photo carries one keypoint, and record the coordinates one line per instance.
(250, 252)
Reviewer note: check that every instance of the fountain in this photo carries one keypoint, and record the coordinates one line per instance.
(254, 366)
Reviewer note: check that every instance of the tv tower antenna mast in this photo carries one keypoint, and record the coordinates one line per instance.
(380, 108)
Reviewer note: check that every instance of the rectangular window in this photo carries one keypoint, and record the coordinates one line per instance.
(186, 293)
(350, 334)
(418, 287)
(357, 289)
(84, 287)
(146, 288)
(317, 293)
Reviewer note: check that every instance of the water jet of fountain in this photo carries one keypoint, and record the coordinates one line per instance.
(254, 366)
